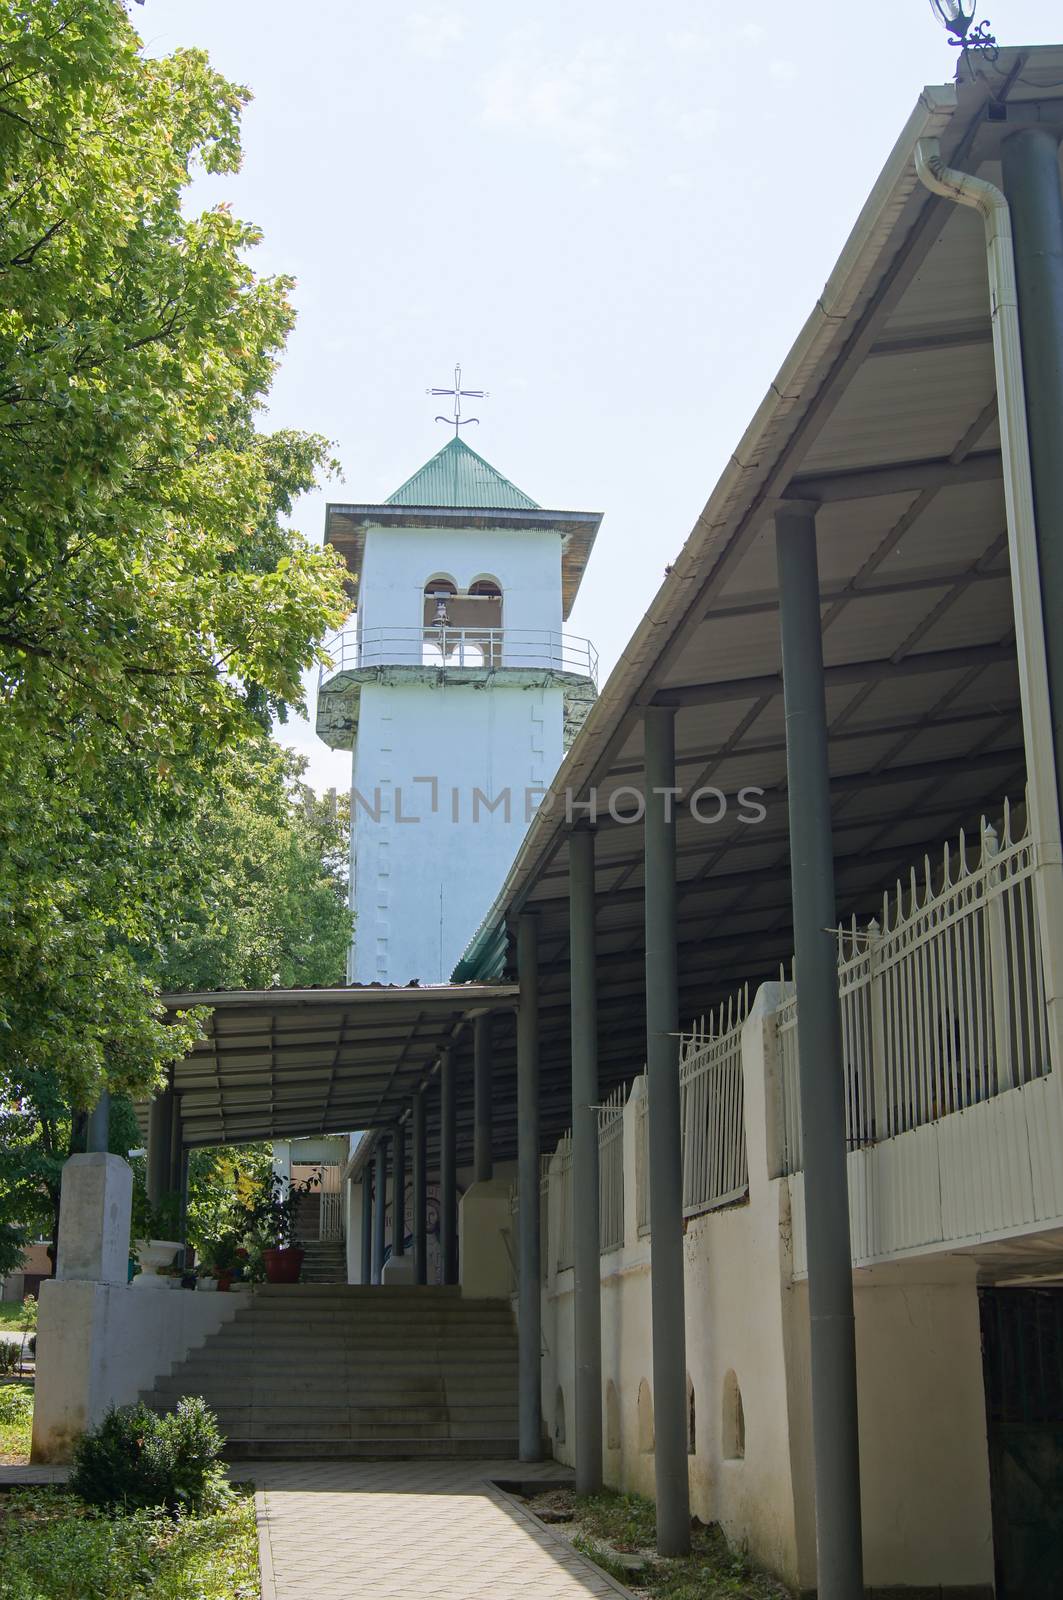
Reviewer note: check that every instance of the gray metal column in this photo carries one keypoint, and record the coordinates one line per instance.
(665, 1146)
(380, 1205)
(448, 1169)
(177, 1148)
(366, 1273)
(835, 1444)
(482, 1160)
(420, 1189)
(529, 1245)
(398, 1191)
(586, 1258)
(98, 1125)
(160, 1145)
(184, 1177)
(1032, 186)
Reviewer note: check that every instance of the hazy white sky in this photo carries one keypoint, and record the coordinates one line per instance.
(615, 216)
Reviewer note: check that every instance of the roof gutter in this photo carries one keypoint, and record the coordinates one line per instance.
(964, 189)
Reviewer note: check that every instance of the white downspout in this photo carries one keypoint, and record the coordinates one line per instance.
(1042, 796)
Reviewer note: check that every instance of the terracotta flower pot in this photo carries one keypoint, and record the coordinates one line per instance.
(224, 1280)
(283, 1266)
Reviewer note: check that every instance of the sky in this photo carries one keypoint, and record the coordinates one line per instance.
(615, 216)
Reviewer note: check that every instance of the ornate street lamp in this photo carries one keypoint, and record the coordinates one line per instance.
(958, 17)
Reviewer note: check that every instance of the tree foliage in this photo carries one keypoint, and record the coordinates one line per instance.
(260, 883)
(156, 608)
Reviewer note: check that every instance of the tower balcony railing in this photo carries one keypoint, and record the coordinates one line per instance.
(449, 648)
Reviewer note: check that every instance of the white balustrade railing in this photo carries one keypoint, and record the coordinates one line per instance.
(449, 648)
(331, 1224)
(715, 1170)
(566, 1232)
(642, 1160)
(943, 1001)
(611, 1171)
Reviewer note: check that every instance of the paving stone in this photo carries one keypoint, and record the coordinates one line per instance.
(411, 1530)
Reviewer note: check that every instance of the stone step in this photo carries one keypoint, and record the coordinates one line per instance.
(358, 1358)
(234, 1412)
(261, 1391)
(317, 1305)
(239, 1425)
(380, 1292)
(257, 1449)
(320, 1343)
(348, 1388)
(343, 1384)
(368, 1328)
(326, 1408)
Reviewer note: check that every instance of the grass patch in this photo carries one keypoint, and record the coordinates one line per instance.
(16, 1422)
(11, 1315)
(54, 1548)
(618, 1533)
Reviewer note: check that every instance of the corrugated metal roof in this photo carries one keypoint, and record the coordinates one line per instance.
(457, 476)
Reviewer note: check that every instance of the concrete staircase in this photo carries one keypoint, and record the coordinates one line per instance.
(313, 1370)
(324, 1261)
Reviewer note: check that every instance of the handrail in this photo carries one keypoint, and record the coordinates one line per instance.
(447, 648)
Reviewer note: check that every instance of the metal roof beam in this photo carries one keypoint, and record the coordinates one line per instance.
(919, 722)
(849, 672)
(902, 477)
(755, 607)
(916, 772)
(916, 340)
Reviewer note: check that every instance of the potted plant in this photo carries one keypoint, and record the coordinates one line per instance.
(156, 1238)
(273, 1217)
(222, 1258)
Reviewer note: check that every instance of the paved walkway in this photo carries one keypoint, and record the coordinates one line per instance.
(411, 1530)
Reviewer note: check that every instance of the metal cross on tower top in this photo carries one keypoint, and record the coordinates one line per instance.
(459, 394)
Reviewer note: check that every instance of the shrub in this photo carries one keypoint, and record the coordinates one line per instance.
(16, 1402)
(138, 1459)
(10, 1357)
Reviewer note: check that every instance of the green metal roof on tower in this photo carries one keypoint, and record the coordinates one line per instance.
(457, 476)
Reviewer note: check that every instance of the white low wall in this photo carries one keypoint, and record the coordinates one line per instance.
(989, 1172)
(99, 1345)
(925, 1491)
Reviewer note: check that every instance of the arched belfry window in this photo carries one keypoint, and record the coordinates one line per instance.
(438, 595)
(486, 595)
(463, 627)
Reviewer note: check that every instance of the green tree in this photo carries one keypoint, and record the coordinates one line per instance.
(156, 607)
(260, 884)
(223, 1184)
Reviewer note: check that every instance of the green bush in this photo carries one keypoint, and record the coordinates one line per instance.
(16, 1402)
(138, 1459)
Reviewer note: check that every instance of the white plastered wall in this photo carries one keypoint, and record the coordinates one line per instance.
(102, 1344)
(424, 874)
(398, 562)
(925, 1488)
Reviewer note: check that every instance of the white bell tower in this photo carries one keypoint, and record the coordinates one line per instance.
(457, 692)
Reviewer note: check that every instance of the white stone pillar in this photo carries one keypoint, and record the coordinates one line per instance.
(94, 1213)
